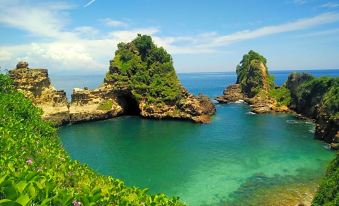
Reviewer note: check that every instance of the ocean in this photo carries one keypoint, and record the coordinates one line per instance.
(237, 159)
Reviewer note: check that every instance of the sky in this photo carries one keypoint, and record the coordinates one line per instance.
(80, 36)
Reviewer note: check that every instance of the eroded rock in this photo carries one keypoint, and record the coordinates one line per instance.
(35, 84)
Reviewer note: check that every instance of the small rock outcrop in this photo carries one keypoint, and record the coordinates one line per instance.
(254, 86)
(35, 84)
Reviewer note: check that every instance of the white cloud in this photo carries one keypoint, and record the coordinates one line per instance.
(89, 3)
(45, 20)
(113, 23)
(5, 55)
(330, 5)
(222, 40)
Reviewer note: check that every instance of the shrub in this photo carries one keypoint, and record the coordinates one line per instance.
(282, 95)
(328, 192)
(105, 105)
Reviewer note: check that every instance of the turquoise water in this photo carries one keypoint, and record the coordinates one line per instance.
(226, 161)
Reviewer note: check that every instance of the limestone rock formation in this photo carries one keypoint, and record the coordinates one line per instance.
(231, 94)
(141, 81)
(254, 85)
(35, 84)
(88, 105)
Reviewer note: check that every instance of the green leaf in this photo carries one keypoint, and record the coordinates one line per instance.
(23, 200)
(8, 202)
(21, 186)
(31, 190)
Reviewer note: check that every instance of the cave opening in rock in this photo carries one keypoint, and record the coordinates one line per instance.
(130, 104)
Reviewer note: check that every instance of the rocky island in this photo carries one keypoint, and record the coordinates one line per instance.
(254, 85)
(141, 81)
(310, 97)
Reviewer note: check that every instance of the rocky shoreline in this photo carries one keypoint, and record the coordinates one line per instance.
(258, 104)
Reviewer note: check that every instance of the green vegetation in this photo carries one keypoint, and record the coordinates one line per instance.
(105, 105)
(252, 74)
(330, 102)
(328, 192)
(35, 170)
(282, 95)
(310, 94)
(147, 70)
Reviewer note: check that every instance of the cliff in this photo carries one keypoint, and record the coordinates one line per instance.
(317, 98)
(142, 81)
(35, 84)
(254, 85)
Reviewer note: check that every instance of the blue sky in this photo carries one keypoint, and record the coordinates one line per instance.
(80, 36)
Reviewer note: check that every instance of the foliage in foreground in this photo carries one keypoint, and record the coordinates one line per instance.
(35, 170)
(147, 70)
(328, 192)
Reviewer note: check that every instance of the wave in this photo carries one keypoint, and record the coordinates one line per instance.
(240, 101)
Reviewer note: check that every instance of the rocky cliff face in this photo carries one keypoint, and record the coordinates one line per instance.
(253, 86)
(35, 84)
(317, 98)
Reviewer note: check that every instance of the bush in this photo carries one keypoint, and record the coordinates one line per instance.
(282, 95)
(328, 192)
(105, 105)
(35, 170)
(310, 94)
